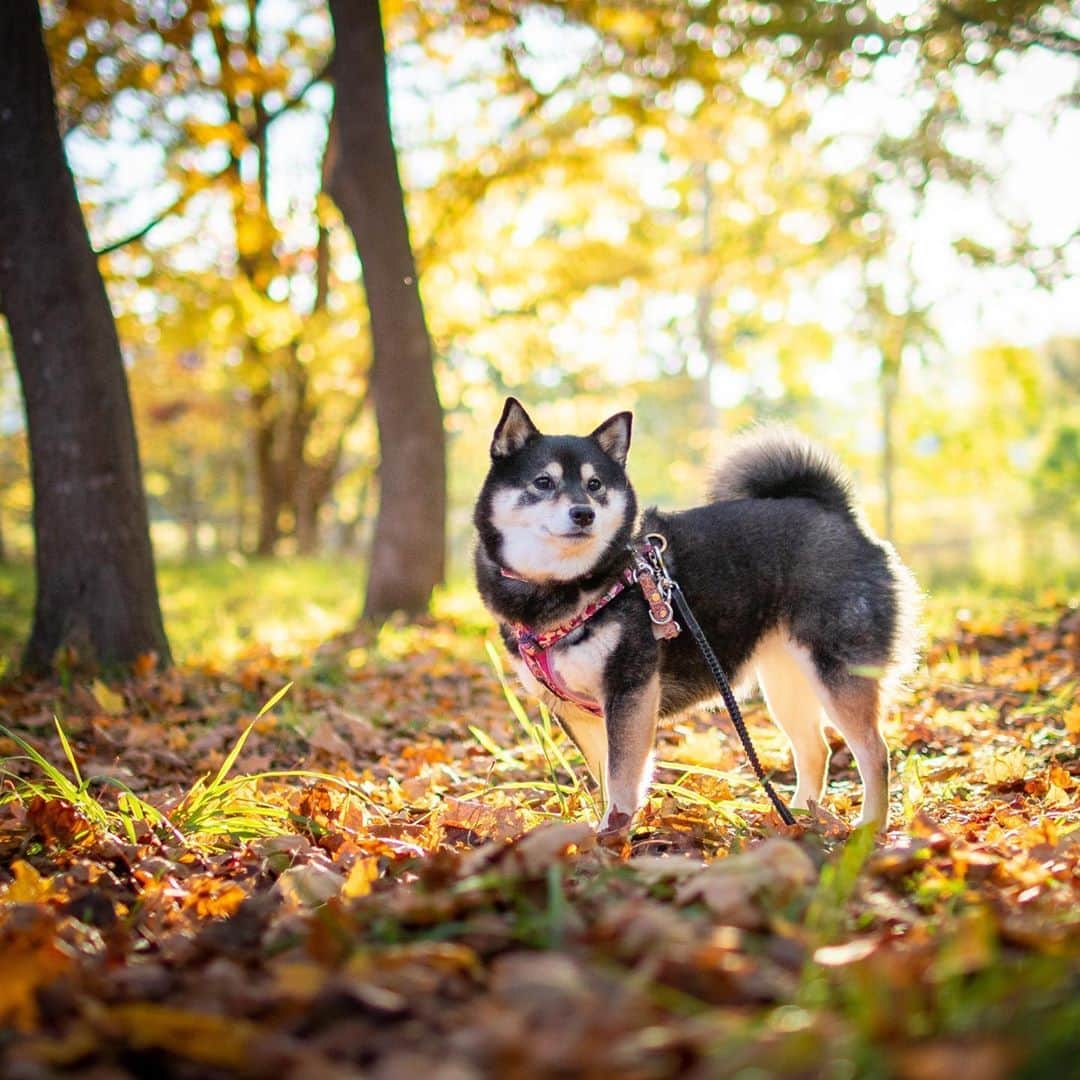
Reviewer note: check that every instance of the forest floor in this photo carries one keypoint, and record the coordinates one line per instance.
(390, 872)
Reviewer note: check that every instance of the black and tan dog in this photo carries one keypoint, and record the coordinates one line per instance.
(780, 569)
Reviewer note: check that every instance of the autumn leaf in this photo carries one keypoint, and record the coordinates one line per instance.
(362, 875)
(28, 886)
(145, 664)
(110, 701)
(1072, 722)
(310, 885)
(220, 1041)
(731, 888)
(33, 958)
(1007, 768)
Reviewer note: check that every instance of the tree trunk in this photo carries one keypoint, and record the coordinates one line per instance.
(309, 501)
(240, 494)
(95, 572)
(408, 551)
(316, 480)
(266, 477)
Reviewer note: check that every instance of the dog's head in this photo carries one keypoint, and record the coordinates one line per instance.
(554, 506)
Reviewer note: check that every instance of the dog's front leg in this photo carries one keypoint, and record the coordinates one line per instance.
(630, 717)
(589, 735)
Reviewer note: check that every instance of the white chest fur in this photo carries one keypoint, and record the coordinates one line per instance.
(580, 664)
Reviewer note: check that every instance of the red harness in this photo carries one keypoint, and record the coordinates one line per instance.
(533, 648)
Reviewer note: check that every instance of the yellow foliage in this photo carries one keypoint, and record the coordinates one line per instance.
(1008, 767)
(29, 887)
(1072, 722)
(33, 957)
(110, 701)
(220, 1041)
(363, 874)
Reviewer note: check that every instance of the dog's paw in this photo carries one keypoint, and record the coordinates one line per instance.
(614, 831)
(614, 821)
(880, 825)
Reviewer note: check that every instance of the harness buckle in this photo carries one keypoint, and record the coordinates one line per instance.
(651, 574)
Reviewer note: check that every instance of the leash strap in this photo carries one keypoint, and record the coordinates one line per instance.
(730, 703)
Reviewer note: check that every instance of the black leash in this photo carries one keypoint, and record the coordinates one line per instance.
(670, 587)
(730, 703)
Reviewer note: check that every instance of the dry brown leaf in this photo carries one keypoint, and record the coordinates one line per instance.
(542, 846)
(731, 887)
(309, 885)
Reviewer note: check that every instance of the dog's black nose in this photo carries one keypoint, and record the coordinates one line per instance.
(582, 515)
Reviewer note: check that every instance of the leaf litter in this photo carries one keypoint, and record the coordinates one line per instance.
(389, 869)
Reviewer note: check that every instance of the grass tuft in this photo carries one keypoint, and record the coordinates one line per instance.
(215, 812)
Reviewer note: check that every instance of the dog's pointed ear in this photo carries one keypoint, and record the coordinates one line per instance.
(613, 435)
(513, 430)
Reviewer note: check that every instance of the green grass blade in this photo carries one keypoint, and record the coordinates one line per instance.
(274, 700)
(233, 754)
(65, 789)
(68, 752)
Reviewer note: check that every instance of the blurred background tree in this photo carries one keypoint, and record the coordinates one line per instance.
(96, 590)
(850, 215)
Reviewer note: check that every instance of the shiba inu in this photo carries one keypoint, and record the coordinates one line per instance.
(792, 589)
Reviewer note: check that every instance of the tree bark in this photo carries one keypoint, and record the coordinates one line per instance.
(408, 551)
(266, 477)
(96, 590)
(240, 469)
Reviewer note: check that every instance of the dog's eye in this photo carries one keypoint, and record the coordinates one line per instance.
(544, 482)
(595, 483)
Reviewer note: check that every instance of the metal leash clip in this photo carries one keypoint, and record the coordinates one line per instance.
(652, 576)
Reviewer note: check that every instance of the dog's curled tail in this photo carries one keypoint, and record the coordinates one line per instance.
(779, 463)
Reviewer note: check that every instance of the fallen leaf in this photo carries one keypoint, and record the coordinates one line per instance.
(1072, 722)
(110, 701)
(851, 952)
(34, 957)
(489, 822)
(309, 885)
(326, 738)
(732, 887)
(363, 873)
(29, 887)
(221, 1041)
(542, 846)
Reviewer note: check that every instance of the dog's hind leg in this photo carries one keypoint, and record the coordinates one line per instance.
(853, 705)
(854, 709)
(630, 716)
(797, 710)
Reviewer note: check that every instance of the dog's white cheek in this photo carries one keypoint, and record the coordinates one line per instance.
(525, 549)
(530, 554)
(609, 519)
